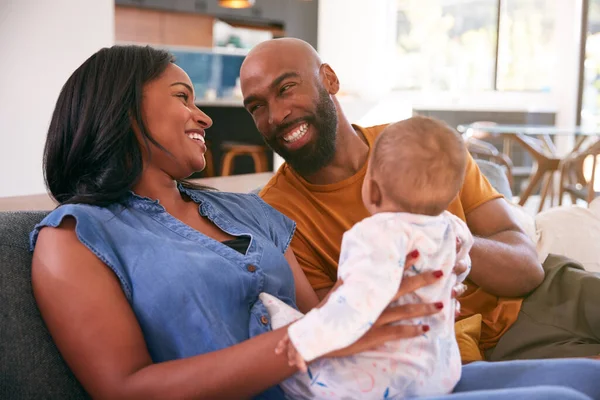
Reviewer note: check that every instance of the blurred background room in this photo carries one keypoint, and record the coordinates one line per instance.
(519, 78)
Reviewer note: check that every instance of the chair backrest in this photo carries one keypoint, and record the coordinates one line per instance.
(30, 364)
(480, 149)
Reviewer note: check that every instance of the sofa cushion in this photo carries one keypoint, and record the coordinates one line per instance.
(30, 364)
(571, 231)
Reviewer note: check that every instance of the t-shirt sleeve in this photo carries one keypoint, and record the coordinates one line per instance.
(279, 227)
(476, 189)
(311, 264)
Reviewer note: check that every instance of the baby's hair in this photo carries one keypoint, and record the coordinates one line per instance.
(419, 163)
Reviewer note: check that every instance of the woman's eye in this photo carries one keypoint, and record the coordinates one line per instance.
(183, 96)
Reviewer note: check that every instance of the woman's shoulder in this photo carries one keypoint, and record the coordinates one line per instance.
(89, 216)
(86, 212)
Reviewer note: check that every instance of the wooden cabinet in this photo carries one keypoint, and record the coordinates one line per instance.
(138, 25)
(153, 26)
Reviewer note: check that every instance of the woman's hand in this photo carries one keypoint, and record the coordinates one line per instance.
(384, 329)
(286, 346)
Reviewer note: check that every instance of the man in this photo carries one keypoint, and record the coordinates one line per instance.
(290, 94)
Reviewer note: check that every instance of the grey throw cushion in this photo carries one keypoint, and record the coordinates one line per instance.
(497, 177)
(30, 364)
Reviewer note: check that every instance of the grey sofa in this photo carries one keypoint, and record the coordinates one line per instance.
(30, 365)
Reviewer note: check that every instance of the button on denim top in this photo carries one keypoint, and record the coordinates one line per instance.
(190, 293)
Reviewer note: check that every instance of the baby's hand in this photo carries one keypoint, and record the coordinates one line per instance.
(294, 358)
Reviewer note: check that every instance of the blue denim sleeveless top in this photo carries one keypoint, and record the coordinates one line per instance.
(190, 293)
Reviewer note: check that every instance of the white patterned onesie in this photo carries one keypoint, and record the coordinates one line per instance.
(372, 266)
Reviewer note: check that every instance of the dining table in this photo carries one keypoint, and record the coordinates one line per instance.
(539, 142)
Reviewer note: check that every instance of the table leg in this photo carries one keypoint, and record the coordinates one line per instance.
(545, 188)
(535, 179)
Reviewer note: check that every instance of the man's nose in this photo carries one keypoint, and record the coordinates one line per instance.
(278, 113)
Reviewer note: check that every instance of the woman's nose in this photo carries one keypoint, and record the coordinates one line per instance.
(202, 119)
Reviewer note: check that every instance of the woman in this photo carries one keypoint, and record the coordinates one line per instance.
(149, 285)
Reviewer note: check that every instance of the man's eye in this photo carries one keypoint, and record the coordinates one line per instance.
(286, 87)
(254, 108)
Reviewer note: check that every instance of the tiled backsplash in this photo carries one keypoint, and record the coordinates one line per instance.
(211, 73)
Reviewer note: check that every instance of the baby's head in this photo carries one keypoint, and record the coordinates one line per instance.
(416, 166)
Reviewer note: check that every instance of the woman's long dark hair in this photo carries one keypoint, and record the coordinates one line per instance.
(92, 154)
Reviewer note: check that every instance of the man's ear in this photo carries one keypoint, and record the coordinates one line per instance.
(375, 193)
(329, 79)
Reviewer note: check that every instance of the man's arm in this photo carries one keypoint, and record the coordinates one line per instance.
(504, 260)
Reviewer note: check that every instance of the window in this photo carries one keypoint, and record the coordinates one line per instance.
(590, 102)
(526, 45)
(472, 45)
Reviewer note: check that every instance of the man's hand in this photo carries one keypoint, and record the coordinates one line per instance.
(462, 264)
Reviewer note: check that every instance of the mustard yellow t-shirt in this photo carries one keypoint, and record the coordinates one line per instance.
(324, 212)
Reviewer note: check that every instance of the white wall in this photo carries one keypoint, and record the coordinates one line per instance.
(41, 43)
(357, 38)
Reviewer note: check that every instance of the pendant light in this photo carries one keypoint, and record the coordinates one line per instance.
(236, 3)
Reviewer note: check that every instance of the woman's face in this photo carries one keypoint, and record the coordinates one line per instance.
(174, 121)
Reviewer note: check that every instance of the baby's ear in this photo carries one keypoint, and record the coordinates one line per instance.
(375, 194)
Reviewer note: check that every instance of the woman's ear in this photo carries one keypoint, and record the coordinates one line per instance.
(329, 79)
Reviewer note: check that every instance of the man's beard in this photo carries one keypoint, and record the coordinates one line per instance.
(314, 156)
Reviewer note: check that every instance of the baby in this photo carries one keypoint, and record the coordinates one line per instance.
(416, 168)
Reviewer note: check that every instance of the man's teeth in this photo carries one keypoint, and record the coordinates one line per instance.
(196, 136)
(296, 133)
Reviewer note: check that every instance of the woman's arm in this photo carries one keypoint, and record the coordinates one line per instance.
(99, 337)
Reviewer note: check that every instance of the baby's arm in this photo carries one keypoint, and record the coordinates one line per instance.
(371, 267)
(463, 234)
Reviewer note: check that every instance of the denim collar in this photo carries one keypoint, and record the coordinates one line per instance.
(147, 204)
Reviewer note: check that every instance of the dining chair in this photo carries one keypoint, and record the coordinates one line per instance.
(573, 179)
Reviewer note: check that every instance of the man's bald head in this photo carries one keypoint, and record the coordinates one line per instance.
(283, 51)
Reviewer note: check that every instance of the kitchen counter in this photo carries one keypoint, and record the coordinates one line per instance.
(226, 102)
